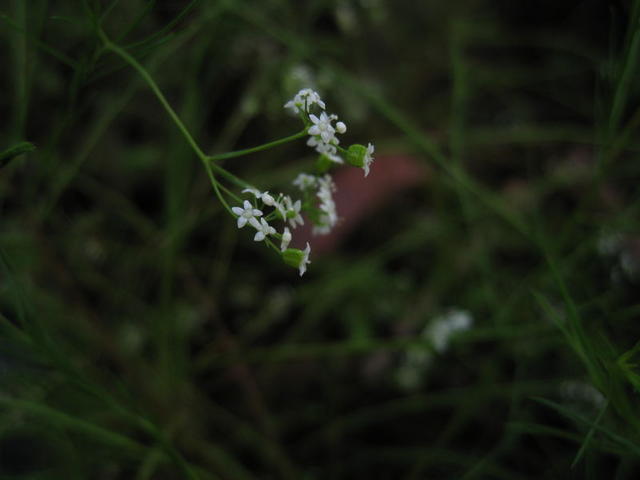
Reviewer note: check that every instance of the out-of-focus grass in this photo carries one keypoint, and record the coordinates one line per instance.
(143, 337)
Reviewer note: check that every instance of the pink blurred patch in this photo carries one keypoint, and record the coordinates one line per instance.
(358, 197)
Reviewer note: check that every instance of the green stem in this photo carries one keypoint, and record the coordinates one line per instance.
(259, 148)
(154, 87)
(209, 167)
(228, 175)
(208, 161)
(216, 188)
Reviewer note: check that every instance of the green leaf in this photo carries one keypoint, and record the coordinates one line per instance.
(15, 151)
(629, 445)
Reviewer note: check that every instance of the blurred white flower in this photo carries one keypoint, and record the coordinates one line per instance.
(442, 328)
(417, 359)
(329, 217)
(303, 100)
(304, 181)
(582, 392)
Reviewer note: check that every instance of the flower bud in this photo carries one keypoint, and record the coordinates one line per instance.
(286, 239)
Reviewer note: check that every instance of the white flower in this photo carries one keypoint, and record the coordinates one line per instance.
(368, 158)
(304, 181)
(286, 239)
(263, 228)
(411, 371)
(293, 212)
(582, 392)
(327, 149)
(443, 327)
(301, 74)
(329, 217)
(246, 214)
(266, 198)
(303, 100)
(322, 127)
(610, 244)
(290, 211)
(322, 136)
(341, 127)
(305, 260)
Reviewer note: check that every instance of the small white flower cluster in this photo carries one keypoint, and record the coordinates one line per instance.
(304, 181)
(317, 202)
(303, 100)
(438, 333)
(327, 215)
(445, 326)
(284, 208)
(322, 136)
(322, 131)
(620, 249)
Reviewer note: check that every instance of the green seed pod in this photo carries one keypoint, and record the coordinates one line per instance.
(293, 257)
(356, 155)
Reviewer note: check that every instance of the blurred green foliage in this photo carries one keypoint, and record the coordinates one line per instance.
(141, 337)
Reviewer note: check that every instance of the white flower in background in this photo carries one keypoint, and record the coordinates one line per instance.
(303, 100)
(582, 392)
(414, 364)
(246, 213)
(329, 217)
(322, 127)
(286, 239)
(304, 181)
(300, 75)
(341, 127)
(263, 229)
(624, 250)
(417, 359)
(368, 158)
(610, 244)
(442, 328)
(265, 197)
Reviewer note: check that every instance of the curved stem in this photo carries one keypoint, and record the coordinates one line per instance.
(154, 87)
(266, 146)
(209, 167)
(208, 161)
